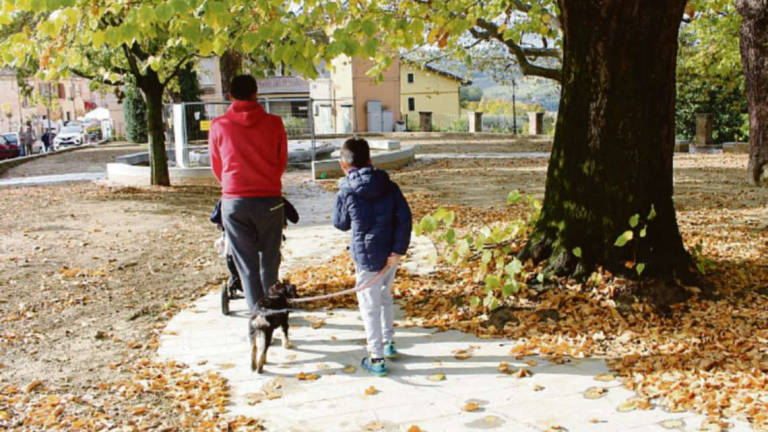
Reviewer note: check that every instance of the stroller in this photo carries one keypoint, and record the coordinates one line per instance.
(233, 288)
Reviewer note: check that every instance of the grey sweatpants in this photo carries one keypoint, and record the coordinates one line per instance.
(254, 228)
(375, 305)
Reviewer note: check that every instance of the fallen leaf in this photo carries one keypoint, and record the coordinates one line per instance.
(374, 426)
(605, 377)
(522, 373)
(414, 428)
(139, 410)
(462, 355)
(471, 406)
(531, 363)
(595, 392)
(555, 428)
(595, 420)
(672, 424)
(537, 387)
(504, 367)
(371, 391)
(307, 377)
(627, 406)
(225, 366)
(436, 377)
(32, 386)
(254, 398)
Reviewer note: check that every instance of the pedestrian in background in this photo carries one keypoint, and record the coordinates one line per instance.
(26, 139)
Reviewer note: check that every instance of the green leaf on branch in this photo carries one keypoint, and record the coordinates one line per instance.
(513, 267)
(486, 257)
(624, 238)
(514, 197)
(428, 224)
(577, 252)
(634, 219)
(492, 282)
(643, 231)
(639, 268)
(450, 236)
(652, 213)
(510, 288)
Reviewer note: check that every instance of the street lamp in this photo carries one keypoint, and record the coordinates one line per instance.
(514, 109)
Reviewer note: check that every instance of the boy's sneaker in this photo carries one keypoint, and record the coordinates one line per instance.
(389, 350)
(374, 366)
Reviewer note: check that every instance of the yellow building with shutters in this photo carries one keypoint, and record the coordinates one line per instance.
(428, 89)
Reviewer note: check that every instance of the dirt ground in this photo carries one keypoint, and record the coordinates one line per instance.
(90, 273)
(87, 159)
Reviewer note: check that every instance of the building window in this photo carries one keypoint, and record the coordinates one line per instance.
(410, 78)
(411, 104)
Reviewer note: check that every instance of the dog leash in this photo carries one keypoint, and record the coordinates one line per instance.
(362, 287)
(358, 288)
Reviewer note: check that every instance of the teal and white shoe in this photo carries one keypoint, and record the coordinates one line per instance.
(389, 350)
(375, 366)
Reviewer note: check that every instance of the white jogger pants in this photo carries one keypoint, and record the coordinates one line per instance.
(376, 309)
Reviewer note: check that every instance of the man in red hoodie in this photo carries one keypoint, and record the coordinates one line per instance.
(249, 151)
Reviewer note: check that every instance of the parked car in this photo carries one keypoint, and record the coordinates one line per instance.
(68, 136)
(9, 146)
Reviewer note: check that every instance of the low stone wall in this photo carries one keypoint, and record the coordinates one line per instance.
(391, 160)
(123, 173)
(736, 147)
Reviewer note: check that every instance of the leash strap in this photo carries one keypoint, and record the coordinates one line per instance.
(365, 286)
(362, 287)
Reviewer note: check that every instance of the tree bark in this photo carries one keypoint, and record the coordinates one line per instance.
(153, 89)
(754, 57)
(613, 146)
(229, 66)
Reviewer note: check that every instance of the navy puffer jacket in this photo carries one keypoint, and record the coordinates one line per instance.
(375, 209)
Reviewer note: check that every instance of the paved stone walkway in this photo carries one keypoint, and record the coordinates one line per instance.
(428, 385)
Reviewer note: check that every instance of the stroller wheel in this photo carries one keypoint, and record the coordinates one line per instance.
(224, 299)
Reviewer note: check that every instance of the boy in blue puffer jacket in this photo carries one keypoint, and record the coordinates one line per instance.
(375, 209)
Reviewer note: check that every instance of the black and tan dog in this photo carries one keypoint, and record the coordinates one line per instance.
(264, 321)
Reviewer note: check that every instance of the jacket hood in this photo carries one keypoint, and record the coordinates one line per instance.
(245, 113)
(367, 183)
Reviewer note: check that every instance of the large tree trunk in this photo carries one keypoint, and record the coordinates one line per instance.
(754, 57)
(229, 66)
(613, 146)
(158, 161)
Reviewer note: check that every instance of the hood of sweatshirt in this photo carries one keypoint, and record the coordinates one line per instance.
(367, 183)
(245, 113)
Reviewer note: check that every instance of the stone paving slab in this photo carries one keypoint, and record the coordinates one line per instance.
(336, 401)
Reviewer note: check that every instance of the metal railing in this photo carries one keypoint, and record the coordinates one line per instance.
(187, 124)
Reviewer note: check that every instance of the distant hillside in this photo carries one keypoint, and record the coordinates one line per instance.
(535, 90)
(542, 91)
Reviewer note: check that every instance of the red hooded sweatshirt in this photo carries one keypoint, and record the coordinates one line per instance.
(249, 150)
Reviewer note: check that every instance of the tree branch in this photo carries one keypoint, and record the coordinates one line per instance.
(177, 68)
(93, 77)
(491, 31)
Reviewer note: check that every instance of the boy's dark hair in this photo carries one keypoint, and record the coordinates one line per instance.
(243, 87)
(355, 152)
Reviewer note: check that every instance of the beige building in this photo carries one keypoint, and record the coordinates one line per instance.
(371, 105)
(65, 100)
(429, 89)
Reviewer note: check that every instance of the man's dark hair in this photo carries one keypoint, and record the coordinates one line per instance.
(355, 152)
(243, 87)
